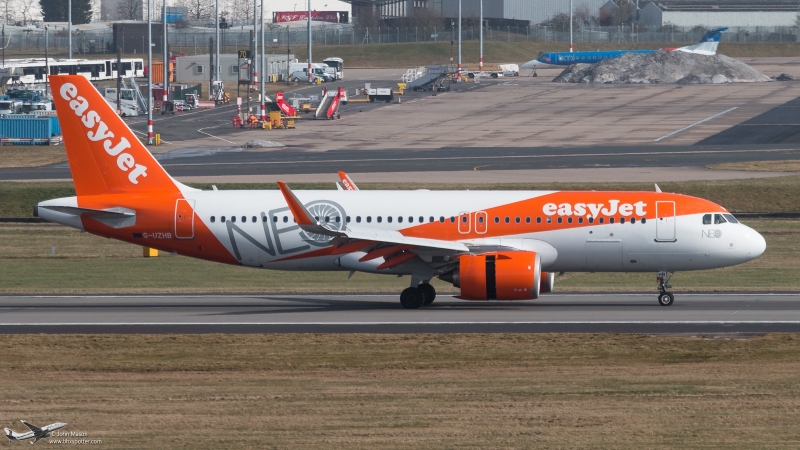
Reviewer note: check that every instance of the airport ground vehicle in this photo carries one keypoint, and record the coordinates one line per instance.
(380, 94)
(303, 76)
(493, 245)
(337, 64)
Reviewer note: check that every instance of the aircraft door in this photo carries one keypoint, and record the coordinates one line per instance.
(665, 222)
(464, 224)
(481, 222)
(184, 219)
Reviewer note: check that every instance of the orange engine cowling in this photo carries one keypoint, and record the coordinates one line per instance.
(498, 276)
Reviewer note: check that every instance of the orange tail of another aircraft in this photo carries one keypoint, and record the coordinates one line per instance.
(104, 155)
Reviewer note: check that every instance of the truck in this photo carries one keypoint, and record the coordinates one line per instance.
(10, 106)
(502, 70)
(127, 103)
(337, 65)
(384, 94)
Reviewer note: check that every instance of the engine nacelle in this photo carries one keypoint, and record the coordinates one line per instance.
(498, 276)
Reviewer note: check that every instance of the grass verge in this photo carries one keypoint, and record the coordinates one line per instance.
(86, 264)
(761, 166)
(407, 391)
(749, 195)
(31, 155)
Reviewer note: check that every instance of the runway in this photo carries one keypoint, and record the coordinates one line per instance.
(695, 314)
(451, 159)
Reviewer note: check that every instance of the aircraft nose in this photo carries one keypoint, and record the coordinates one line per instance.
(756, 245)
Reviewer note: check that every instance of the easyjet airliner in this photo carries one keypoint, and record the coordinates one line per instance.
(496, 245)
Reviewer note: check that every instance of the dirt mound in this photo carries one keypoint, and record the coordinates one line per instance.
(663, 67)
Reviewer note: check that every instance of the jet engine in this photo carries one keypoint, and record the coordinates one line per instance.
(548, 280)
(511, 275)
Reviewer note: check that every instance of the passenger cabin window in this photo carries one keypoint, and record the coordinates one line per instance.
(538, 220)
(380, 219)
(527, 220)
(441, 219)
(222, 219)
(610, 220)
(560, 219)
(549, 220)
(707, 219)
(507, 219)
(622, 220)
(388, 219)
(496, 219)
(452, 219)
(255, 219)
(591, 219)
(569, 220)
(369, 219)
(244, 219)
(517, 220)
(285, 219)
(213, 219)
(430, 219)
(358, 219)
(233, 219)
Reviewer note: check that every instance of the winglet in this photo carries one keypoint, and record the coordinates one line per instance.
(658, 189)
(347, 182)
(300, 213)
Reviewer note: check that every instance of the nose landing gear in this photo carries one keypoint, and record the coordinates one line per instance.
(665, 298)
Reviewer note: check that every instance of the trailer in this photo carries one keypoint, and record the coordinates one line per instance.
(379, 94)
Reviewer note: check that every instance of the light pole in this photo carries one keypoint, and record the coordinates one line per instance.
(46, 63)
(309, 41)
(166, 57)
(149, 73)
(254, 56)
(459, 40)
(263, 70)
(480, 60)
(570, 25)
(216, 54)
(69, 26)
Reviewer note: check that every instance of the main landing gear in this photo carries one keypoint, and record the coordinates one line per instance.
(664, 298)
(415, 297)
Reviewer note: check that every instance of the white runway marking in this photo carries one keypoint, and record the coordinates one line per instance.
(564, 322)
(215, 137)
(695, 124)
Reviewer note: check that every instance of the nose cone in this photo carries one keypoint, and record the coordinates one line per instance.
(755, 244)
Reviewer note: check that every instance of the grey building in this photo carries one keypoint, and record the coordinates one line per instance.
(533, 11)
(197, 68)
(728, 13)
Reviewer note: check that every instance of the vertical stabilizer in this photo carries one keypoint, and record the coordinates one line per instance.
(104, 155)
(707, 45)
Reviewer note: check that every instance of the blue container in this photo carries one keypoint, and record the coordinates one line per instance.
(29, 127)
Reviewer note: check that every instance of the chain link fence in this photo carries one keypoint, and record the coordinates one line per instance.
(31, 43)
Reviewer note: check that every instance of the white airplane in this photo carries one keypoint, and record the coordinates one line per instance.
(707, 46)
(495, 245)
(36, 433)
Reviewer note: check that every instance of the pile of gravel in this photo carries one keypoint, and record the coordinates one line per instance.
(663, 67)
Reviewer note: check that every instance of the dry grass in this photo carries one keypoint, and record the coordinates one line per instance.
(761, 166)
(407, 391)
(31, 155)
(87, 264)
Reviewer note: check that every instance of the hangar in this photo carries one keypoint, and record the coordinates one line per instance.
(729, 13)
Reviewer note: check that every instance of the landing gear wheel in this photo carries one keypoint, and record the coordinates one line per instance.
(428, 292)
(666, 299)
(412, 298)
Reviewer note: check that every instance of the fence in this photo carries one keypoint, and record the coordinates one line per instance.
(194, 41)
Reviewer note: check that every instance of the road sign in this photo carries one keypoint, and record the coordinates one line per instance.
(244, 54)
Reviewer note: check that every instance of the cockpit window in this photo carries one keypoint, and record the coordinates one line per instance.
(707, 219)
(730, 218)
(719, 219)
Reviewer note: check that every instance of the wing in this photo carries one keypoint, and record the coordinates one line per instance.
(33, 428)
(392, 245)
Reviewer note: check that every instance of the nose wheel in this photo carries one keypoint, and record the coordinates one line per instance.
(665, 298)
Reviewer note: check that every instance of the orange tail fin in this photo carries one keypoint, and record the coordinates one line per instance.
(104, 155)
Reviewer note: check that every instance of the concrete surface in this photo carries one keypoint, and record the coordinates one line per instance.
(639, 313)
